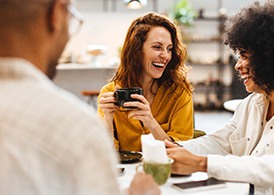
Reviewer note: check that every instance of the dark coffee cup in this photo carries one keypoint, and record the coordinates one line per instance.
(123, 95)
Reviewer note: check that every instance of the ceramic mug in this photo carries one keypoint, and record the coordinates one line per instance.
(123, 95)
(159, 171)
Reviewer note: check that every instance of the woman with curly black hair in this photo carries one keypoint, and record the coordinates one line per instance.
(244, 149)
(250, 33)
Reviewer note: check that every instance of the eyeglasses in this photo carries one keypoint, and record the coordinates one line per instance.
(76, 21)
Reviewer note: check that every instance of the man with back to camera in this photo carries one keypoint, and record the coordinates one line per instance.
(50, 142)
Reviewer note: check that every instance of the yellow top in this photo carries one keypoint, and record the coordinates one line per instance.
(172, 110)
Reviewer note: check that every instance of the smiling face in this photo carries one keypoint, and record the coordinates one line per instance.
(157, 52)
(244, 72)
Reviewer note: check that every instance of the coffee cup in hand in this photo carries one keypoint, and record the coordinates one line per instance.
(124, 95)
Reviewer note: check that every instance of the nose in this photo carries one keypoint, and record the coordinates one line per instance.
(165, 54)
(238, 65)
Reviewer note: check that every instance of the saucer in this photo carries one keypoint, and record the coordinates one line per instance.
(129, 156)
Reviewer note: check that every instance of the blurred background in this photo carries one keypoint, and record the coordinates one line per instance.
(92, 56)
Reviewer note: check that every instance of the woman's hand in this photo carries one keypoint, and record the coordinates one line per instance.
(143, 113)
(185, 162)
(107, 104)
(172, 144)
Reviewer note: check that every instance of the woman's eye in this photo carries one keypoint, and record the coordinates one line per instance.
(157, 47)
(240, 57)
(243, 58)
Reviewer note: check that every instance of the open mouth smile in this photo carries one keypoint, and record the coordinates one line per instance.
(245, 78)
(158, 65)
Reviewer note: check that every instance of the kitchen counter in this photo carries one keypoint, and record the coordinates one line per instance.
(78, 77)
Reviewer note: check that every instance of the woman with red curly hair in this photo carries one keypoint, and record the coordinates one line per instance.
(152, 58)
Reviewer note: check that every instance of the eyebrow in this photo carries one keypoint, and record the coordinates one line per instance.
(156, 42)
(242, 53)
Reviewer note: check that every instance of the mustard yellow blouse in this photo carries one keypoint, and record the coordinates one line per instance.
(172, 110)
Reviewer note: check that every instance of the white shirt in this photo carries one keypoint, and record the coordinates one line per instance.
(251, 141)
(50, 142)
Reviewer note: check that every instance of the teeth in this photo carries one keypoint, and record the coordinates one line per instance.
(246, 77)
(158, 64)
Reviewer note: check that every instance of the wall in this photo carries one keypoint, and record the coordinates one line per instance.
(107, 24)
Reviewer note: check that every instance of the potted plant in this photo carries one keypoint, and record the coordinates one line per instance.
(182, 13)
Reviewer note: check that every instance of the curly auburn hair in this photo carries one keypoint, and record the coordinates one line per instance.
(252, 30)
(131, 66)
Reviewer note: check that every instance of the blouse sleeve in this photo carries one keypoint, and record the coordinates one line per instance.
(181, 125)
(244, 169)
(107, 88)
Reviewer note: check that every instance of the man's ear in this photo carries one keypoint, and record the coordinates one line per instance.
(56, 15)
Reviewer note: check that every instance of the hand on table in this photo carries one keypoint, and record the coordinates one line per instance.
(184, 161)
